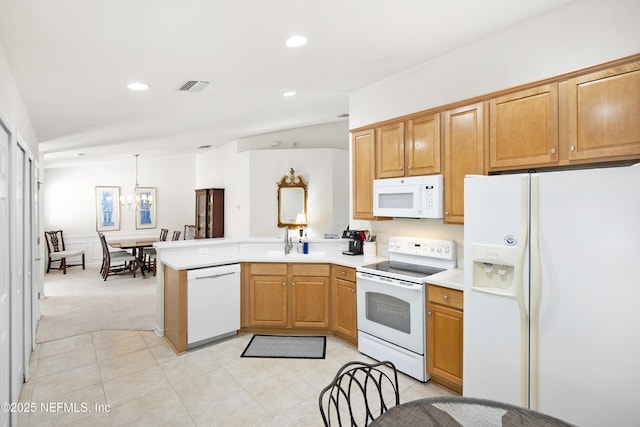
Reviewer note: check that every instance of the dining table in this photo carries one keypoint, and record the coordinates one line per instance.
(137, 248)
(463, 411)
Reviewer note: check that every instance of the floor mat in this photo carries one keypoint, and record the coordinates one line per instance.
(286, 347)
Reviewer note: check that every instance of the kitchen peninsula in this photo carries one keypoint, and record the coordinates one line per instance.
(324, 276)
(264, 261)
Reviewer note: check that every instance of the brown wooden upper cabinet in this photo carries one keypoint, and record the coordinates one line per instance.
(390, 151)
(409, 148)
(603, 114)
(464, 140)
(363, 152)
(524, 128)
(209, 213)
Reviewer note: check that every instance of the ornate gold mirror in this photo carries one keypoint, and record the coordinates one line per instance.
(292, 200)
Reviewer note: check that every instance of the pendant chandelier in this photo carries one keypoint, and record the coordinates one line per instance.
(135, 200)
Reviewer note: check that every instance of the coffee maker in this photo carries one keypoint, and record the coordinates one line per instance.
(356, 237)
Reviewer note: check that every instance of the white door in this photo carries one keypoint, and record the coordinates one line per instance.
(495, 336)
(28, 265)
(589, 329)
(17, 291)
(5, 277)
(37, 267)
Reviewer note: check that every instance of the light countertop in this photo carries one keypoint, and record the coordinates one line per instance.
(453, 279)
(187, 255)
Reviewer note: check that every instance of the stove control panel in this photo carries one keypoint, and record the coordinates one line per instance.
(431, 248)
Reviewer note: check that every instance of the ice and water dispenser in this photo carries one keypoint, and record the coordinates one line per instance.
(494, 269)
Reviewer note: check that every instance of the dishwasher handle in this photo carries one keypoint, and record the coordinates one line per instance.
(214, 276)
(213, 272)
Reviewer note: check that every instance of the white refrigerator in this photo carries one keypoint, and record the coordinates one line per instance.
(552, 293)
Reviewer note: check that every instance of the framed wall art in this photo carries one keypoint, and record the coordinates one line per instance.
(146, 212)
(107, 208)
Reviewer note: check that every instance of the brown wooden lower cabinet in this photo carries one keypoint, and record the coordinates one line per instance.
(280, 296)
(344, 319)
(445, 336)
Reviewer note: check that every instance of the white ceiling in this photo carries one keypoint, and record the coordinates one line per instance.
(72, 59)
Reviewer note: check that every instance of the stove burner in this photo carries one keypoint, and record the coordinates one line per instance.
(403, 268)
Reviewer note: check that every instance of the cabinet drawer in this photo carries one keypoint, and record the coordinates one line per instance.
(344, 273)
(310, 269)
(269, 269)
(445, 296)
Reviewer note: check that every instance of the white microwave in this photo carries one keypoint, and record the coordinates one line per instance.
(410, 197)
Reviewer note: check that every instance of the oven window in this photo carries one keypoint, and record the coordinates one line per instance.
(388, 311)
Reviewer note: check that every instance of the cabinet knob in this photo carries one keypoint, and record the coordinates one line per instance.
(428, 313)
(344, 273)
(552, 151)
(572, 148)
(353, 291)
(284, 284)
(293, 283)
(446, 297)
(446, 213)
(409, 167)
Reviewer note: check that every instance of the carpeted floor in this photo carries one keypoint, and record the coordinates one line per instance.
(81, 302)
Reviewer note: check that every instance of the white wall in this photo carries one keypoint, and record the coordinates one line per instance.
(323, 169)
(582, 34)
(69, 194)
(250, 182)
(12, 107)
(223, 167)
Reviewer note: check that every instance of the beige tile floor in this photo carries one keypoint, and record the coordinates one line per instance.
(120, 377)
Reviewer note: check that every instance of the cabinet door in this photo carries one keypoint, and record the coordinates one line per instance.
(390, 151)
(344, 317)
(463, 155)
(309, 302)
(444, 343)
(216, 213)
(603, 109)
(268, 301)
(524, 128)
(422, 149)
(201, 214)
(363, 169)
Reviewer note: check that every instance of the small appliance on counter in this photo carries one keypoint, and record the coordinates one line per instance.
(356, 237)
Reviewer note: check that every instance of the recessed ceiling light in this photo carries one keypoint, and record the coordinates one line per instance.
(296, 41)
(137, 86)
(289, 93)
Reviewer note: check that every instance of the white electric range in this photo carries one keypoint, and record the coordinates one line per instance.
(392, 301)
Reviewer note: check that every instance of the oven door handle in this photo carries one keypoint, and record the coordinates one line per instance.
(408, 286)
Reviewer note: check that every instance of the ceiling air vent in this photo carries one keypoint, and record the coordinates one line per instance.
(194, 86)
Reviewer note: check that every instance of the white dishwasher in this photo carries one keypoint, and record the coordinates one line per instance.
(213, 303)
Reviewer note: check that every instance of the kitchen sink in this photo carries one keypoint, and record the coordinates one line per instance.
(294, 254)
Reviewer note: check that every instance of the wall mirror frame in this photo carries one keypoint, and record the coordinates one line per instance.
(292, 199)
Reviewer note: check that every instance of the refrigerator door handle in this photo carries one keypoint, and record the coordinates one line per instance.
(524, 317)
(536, 291)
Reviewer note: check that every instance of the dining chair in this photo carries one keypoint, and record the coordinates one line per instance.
(359, 393)
(149, 254)
(114, 262)
(176, 235)
(189, 232)
(57, 251)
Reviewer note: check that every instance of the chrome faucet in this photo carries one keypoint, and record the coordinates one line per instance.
(288, 244)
